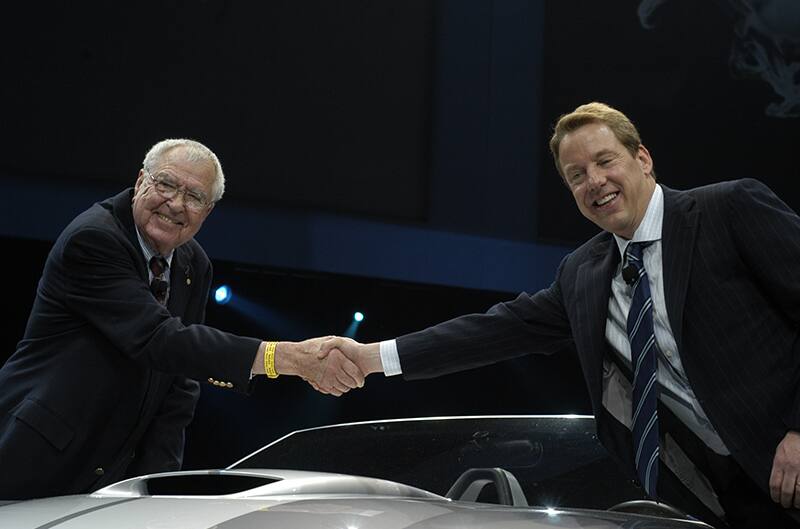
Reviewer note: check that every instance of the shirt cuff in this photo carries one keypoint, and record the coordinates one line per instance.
(390, 359)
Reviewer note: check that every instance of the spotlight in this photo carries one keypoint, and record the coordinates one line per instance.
(358, 317)
(223, 294)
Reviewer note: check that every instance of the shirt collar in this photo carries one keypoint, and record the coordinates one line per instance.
(149, 253)
(650, 227)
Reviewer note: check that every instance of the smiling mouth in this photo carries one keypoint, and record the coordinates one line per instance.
(600, 202)
(168, 219)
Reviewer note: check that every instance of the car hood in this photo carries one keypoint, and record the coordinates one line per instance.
(84, 512)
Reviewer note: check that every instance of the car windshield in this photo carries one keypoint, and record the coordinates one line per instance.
(557, 459)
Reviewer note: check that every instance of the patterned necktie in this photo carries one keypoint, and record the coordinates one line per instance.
(645, 363)
(158, 285)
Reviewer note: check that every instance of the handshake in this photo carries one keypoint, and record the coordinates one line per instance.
(332, 365)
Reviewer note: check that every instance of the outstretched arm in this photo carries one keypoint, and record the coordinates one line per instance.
(332, 373)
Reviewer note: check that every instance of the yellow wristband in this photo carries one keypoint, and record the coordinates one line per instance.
(269, 360)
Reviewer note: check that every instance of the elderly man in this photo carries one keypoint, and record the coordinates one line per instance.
(102, 385)
(684, 314)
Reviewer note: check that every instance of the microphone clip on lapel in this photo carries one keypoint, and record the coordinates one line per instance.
(630, 274)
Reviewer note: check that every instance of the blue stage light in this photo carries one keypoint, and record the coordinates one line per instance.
(223, 294)
(358, 316)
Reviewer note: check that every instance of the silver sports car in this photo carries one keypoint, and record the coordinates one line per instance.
(456, 472)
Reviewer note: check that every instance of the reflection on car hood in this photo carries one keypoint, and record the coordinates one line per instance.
(292, 499)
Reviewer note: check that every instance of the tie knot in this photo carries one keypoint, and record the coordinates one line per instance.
(157, 265)
(634, 263)
(634, 252)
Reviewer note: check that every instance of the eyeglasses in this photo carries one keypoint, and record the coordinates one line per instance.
(167, 188)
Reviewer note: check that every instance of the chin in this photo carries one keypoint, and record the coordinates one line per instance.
(160, 245)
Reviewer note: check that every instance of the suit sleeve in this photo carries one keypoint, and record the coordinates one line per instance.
(767, 232)
(528, 324)
(103, 287)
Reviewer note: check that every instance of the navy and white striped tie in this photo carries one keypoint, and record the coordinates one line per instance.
(645, 364)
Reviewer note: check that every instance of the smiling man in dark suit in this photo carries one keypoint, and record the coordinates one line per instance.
(102, 385)
(716, 271)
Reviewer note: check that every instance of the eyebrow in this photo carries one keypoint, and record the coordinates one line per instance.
(595, 156)
(604, 152)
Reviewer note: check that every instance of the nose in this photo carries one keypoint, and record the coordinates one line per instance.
(595, 177)
(179, 195)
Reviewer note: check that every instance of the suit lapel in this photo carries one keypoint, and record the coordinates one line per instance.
(679, 231)
(180, 281)
(593, 289)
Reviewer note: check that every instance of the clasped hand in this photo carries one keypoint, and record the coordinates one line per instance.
(332, 365)
(335, 365)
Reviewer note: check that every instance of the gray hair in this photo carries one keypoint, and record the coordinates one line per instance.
(195, 152)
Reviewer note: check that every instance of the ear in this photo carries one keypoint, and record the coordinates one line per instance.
(139, 180)
(645, 161)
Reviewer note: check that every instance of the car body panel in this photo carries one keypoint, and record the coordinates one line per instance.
(287, 498)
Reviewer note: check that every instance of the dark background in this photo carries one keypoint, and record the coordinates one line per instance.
(699, 116)
(389, 157)
(308, 103)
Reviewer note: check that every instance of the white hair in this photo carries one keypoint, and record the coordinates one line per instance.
(195, 152)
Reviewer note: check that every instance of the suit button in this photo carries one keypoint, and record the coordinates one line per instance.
(99, 471)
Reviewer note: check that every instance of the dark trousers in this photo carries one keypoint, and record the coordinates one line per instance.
(746, 505)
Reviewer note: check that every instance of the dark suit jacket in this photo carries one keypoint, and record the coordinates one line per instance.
(731, 257)
(101, 386)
